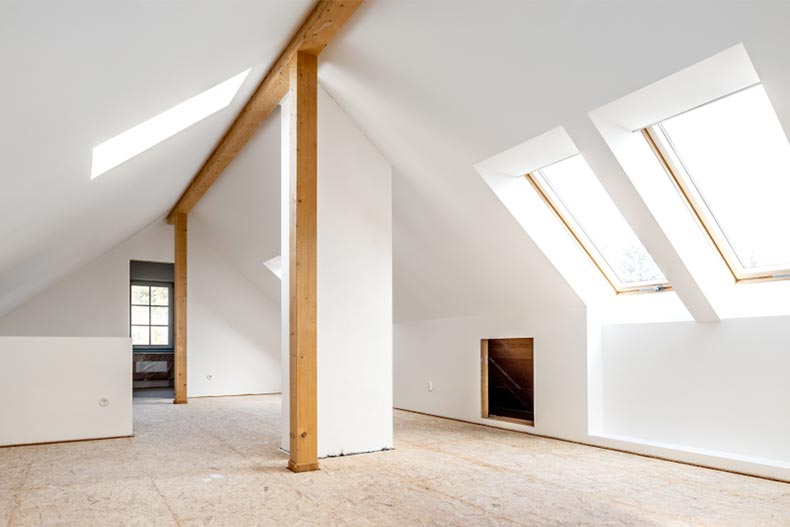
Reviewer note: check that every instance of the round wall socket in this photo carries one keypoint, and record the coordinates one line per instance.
(209, 377)
(103, 402)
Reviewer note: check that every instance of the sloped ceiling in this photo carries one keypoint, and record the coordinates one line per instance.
(437, 86)
(240, 214)
(75, 74)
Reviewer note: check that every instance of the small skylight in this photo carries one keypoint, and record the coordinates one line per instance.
(731, 161)
(275, 266)
(134, 141)
(580, 201)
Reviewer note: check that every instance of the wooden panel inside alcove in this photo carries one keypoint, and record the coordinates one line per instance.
(509, 379)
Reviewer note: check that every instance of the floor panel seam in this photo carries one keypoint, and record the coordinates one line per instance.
(164, 500)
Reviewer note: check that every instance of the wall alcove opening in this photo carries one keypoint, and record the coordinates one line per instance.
(508, 379)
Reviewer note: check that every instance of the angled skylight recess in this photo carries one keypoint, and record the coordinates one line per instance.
(730, 159)
(140, 138)
(578, 198)
(275, 265)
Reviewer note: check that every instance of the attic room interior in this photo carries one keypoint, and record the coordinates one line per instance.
(395, 262)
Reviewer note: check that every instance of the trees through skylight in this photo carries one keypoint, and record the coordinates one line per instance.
(579, 199)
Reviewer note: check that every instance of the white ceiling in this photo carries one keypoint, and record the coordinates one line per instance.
(440, 86)
(437, 86)
(240, 214)
(77, 73)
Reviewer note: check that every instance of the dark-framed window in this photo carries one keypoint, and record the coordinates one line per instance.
(151, 315)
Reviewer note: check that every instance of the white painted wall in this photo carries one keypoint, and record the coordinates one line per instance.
(51, 387)
(446, 352)
(723, 388)
(233, 328)
(716, 394)
(354, 288)
(92, 301)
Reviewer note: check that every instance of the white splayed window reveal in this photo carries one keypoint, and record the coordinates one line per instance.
(140, 138)
(574, 193)
(730, 160)
(275, 266)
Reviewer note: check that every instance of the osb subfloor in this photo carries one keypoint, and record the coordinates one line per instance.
(216, 462)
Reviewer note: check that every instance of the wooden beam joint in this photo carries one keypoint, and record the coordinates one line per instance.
(321, 25)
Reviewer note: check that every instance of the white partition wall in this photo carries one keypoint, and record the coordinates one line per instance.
(64, 389)
(354, 289)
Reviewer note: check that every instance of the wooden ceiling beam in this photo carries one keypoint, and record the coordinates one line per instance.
(321, 25)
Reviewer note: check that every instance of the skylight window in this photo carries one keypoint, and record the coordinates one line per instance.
(137, 140)
(275, 265)
(573, 191)
(731, 161)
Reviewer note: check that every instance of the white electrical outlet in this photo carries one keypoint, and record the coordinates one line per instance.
(429, 385)
(209, 377)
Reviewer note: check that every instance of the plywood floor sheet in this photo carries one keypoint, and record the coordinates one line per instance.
(215, 462)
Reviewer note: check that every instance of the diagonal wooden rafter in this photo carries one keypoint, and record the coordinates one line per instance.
(321, 25)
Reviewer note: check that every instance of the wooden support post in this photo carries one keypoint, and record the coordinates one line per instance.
(180, 224)
(303, 168)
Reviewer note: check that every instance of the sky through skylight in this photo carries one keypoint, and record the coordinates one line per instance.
(585, 200)
(737, 156)
(140, 138)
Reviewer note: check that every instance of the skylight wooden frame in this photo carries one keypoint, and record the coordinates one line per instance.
(574, 229)
(661, 145)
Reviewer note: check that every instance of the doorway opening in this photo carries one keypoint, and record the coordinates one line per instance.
(151, 316)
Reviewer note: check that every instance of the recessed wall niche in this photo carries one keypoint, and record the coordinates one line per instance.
(508, 379)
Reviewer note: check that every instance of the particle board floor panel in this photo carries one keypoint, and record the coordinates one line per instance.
(215, 462)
